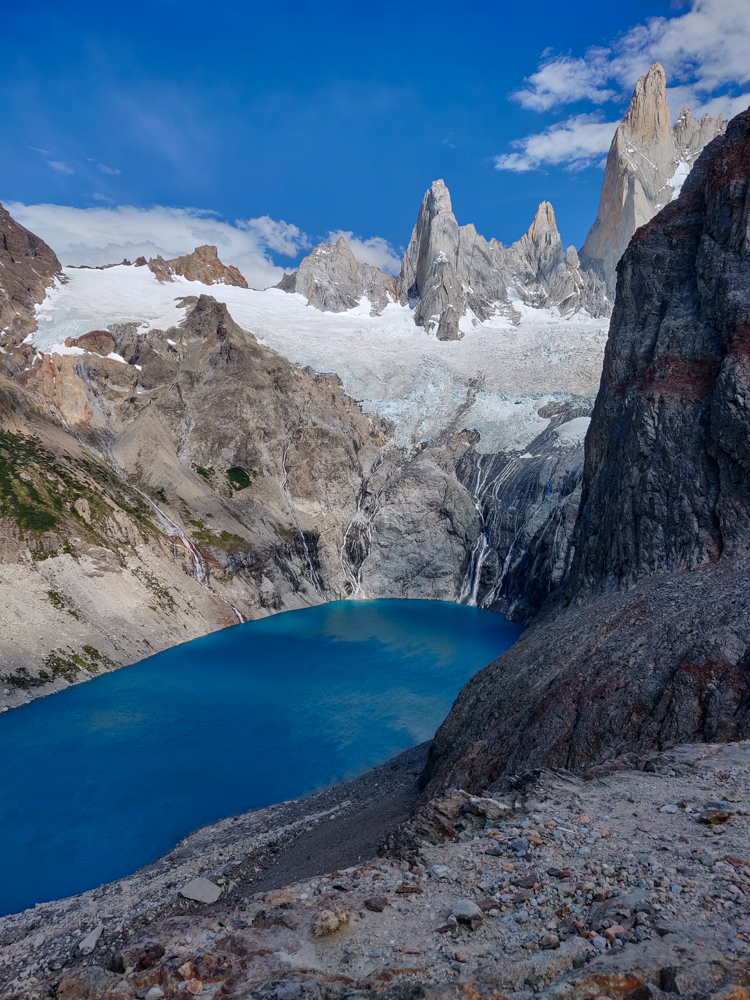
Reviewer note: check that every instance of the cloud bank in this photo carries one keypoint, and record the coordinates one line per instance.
(581, 141)
(704, 53)
(106, 235)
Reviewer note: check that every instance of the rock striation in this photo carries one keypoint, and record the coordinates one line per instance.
(332, 280)
(527, 502)
(202, 265)
(647, 164)
(647, 642)
(449, 270)
(28, 267)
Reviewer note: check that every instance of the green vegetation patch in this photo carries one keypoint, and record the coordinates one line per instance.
(29, 499)
(204, 473)
(65, 663)
(225, 540)
(239, 478)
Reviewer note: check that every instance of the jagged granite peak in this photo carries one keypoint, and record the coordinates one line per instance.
(647, 642)
(333, 280)
(28, 267)
(202, 265)
(545, 275)
(444, 265)
(647, 164)
(449, 269)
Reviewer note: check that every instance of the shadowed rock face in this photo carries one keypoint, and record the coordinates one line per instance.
(528, 504)
(202, 265)
(648, 641)
(332, 280)
(646, 166)
(27, 269)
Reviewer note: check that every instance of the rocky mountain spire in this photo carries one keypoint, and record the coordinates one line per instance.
(27, 269)
(332, 280)
(450, 269)
(545, 275)
(646, 166)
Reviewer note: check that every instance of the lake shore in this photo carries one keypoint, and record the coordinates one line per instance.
(255, 852)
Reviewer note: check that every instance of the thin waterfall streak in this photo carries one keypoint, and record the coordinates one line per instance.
(312, 571)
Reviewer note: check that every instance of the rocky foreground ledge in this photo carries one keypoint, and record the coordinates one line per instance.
(627, 886)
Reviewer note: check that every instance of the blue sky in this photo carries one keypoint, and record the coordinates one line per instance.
(336, 116)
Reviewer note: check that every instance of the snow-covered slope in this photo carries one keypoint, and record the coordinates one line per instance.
(493, 380)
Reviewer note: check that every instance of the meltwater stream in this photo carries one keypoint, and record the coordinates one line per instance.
(103, 778)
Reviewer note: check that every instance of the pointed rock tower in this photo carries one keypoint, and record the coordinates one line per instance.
(545, 275)
(430, 273)
(450, 269)
(646, 166)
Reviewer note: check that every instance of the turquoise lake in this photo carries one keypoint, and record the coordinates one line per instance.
(104, 777)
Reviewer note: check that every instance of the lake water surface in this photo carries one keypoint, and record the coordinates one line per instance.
(104, 777)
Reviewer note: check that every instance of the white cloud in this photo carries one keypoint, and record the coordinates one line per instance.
(112, 171)
(280, 236)
(60, 167)
(578, 142)
(376, 251)
(562, 80)
(104, 235)
(704, 53)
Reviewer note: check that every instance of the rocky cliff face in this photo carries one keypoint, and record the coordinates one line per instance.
(27, 269)
(647, 164)
(527, 502)
(332, 280)
(648, 642)
(449, 269)
(202, 265)
(201, 480)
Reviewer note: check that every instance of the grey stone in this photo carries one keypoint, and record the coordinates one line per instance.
(466, 911)
(646, 158)
(449, 269)
(202, 890)
(86, 945)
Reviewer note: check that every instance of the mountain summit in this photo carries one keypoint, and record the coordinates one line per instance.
(647, 164)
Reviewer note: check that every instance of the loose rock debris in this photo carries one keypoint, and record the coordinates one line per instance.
(572, 890)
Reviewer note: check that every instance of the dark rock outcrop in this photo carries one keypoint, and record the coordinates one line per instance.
(202, 265)
(28, 267)
(528, 504)
(646, 166)
(99, 341)
(332, 280)
(648, 641)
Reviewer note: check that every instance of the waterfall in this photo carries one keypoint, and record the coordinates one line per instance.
(477, 557)
(198, 562)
